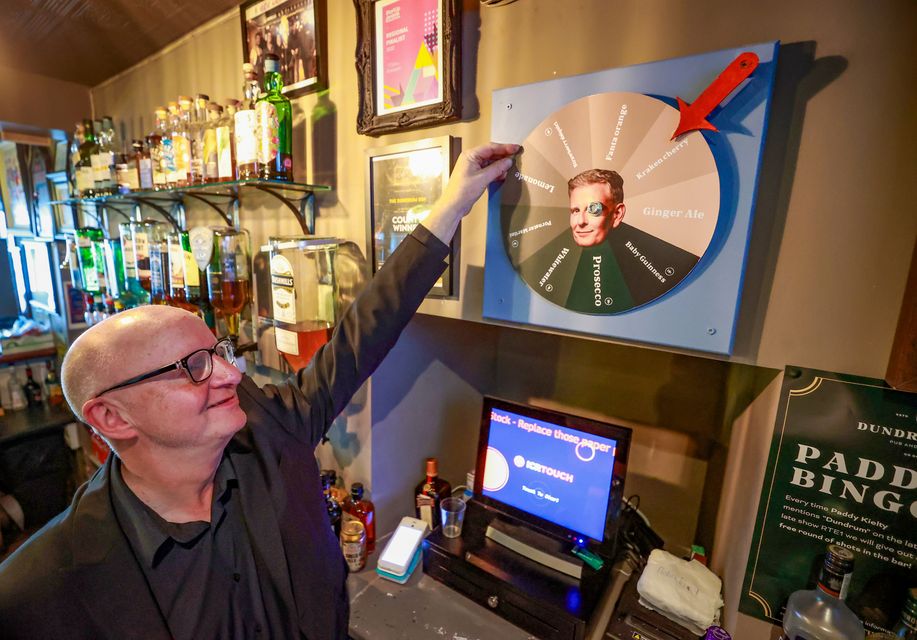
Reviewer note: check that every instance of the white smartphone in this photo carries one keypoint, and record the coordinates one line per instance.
(397, 555)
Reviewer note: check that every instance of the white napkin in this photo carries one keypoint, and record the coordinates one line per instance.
(687, 593)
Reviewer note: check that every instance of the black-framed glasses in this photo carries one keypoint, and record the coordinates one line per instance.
(198, 365)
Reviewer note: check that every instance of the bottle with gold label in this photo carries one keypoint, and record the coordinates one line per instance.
(429, 493)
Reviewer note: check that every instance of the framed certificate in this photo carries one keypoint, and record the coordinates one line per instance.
(408, 63)
(403, 181)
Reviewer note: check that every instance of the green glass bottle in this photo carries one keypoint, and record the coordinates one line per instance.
(198, 303)
(274, 116)
(89, 242)
(129, 262)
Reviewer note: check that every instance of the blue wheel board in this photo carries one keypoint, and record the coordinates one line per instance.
(608, 225)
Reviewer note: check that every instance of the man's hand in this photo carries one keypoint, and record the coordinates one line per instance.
(474, 170)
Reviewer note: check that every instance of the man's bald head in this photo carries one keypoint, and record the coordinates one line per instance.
(118, 348)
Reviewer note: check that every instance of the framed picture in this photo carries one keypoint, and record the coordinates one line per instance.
(408, 63)
(403, 181)
(64, 216)
(293, 30)
(15, 202)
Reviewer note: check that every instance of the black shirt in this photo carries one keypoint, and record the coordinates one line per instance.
(202, 574)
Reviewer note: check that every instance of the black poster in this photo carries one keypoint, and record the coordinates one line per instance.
(404, 187)
(842, 469)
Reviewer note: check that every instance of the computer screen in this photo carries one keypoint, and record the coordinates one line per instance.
(557, 471)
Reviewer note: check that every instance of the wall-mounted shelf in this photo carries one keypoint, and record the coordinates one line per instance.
(222, 197)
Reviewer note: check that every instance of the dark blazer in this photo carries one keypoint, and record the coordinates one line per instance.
(78, 577)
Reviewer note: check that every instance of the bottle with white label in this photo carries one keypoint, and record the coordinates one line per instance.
(820, 613)
(246, 127)
(303, 290)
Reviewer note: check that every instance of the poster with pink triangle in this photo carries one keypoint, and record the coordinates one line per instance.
(408, 54)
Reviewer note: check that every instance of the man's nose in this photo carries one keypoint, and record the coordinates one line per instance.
(580, 218)
(224, 372)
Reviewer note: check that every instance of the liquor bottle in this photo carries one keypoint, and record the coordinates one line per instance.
(303, 290)
(53, 389)
(178, 174)
(159, 264)
(226, 142)
(162, 156)
(103, 160)
(196, 127)
(184, 142)
(820, 613)
(129, 263)
(333, 506)
(245, 127)
(125, 166)
(275, 125)
(907, 625)
(431, 490)
(85, 178)
(363, 510)
(73, 166)
(90, 259)
(210, 152)
(176, 284)
(144, 165)
(32, 389)
(197, 303)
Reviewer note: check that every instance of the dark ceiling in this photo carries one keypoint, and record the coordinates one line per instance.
(88, 41)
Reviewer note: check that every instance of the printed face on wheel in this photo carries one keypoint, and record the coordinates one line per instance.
(594, 208)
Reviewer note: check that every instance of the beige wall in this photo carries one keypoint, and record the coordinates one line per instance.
(40, 101)
(831, 245)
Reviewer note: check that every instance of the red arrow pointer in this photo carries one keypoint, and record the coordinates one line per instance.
(693, 116)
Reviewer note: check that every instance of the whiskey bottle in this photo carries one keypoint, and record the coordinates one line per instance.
(162, 157)
(428, 494)
(820, 613)
(209, 141)
(275, 125)
(225, 139)
(196, 127)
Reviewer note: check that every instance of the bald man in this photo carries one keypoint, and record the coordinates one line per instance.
(209, 521)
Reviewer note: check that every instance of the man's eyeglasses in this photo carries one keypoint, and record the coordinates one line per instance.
(197, 364)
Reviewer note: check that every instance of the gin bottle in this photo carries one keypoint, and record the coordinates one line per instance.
(275, 125)
(821, 614)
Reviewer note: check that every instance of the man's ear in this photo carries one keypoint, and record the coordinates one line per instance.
(106, 417)
(617, 215)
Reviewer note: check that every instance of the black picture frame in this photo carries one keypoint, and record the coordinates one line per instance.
(396, 202)
(446, 107)
(303, 57)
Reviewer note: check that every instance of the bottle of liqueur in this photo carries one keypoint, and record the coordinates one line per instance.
(144, 164)
(85, 177)
(176, 272)
(209, 142)
(129, 261)
(226, 145)
(197, 125)
(820, 613)
(334, 507)
(32, 389)
(89, 258)
(159, 264)
(176, 177)
(98, 174)
(275, 125)
(431, 490)
(356, 506)
(162, 157)
(246, 127)
(907, 625)
(185, 130)
(73, 166)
